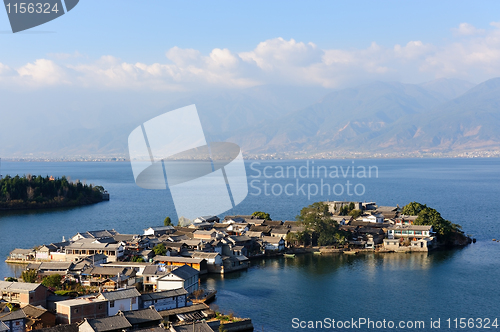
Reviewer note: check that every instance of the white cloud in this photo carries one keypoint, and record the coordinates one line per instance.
(466, 29)
(274, 61)
(43, 71)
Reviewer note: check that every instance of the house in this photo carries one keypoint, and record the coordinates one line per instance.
(151, 274)
(272, 223)
(49, 268)
(182, 277)
(142, 318)
(108, 324)
(122, 299)
(76, 310)
(76, 250)
(159, 230)
(421, 244)
(214, 260)
(108, 277)
(38, 317)
(205, 235)
(257, 235)
(24, 293)
(90, 261)
(43, 253)
(280, 231)
(273, 243)
(100, 234)
(205, 219)
(199, 264)
(15, 321)
(22, 254)
(169, 299)
(374, 218)
(406, 231)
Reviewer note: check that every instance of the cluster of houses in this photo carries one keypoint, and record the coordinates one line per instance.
(208, 245)
(125, 309)
(138, 289)
(383, 227)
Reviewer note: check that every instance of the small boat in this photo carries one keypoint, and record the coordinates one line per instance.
(317, 252)
(289, 255)
(351, 252)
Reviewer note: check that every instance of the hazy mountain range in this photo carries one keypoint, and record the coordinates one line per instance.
(440, 116)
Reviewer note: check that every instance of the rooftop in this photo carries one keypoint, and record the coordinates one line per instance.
(141, 316)
(120, 294)
(163, 294)
(109, 323)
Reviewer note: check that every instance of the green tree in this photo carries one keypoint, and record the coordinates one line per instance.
(11, 279)
(167, 222)
(431, 217)
(318, 219)
(355, 213)
(413, 209)
(160, 249)
(221, 327)
(262, 215)
(29, 276)
(138, 259)
(53, 281)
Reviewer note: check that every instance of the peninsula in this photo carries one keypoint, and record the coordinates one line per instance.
(37, 192)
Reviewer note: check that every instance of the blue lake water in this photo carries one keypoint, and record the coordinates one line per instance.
(447, 284)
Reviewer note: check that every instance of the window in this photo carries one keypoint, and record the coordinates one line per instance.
(100, 306)
(76, 311)
(134, 300)
(111, 304)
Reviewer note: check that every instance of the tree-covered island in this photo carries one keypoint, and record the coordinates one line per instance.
(37, 192)
(351, 224)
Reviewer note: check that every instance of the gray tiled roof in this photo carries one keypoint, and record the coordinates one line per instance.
(22, 287)
(109, 323)
(164, 294)
(141, 316)
(185, 272)
(32, 311)
(18, 314)
(121, 294)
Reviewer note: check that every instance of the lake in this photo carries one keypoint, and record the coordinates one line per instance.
(413, 287)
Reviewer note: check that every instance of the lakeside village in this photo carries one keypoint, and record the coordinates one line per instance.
(104, 281)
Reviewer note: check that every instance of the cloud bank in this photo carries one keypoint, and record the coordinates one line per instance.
(471, 54)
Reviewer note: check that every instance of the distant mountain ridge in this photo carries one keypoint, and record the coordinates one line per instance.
(441, 116)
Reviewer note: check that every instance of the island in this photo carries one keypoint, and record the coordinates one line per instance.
(37, 192)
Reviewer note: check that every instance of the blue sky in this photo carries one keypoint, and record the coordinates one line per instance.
(343, 34)
(144, 30)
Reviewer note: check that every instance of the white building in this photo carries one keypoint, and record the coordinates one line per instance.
(159, 230)
(170, 299)
(413, 231)
(122, 299)
(182, 277)
(374, 218)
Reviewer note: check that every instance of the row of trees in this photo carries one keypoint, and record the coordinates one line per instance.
(30, 191)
